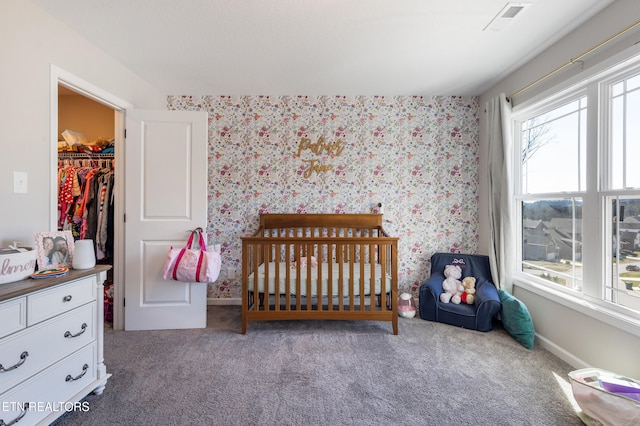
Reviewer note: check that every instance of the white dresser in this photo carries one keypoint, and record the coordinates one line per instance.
(51, 346)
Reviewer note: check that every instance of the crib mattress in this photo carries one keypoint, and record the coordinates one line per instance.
(347, 282)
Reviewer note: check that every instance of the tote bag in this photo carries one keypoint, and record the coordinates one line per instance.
(191, 265)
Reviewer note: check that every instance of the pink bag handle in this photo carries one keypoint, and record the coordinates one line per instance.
(189, 245)
(203, 246)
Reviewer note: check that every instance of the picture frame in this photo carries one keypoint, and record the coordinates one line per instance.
(54, 249)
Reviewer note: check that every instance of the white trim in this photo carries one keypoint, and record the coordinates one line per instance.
(66, 79)
(595, 309)
(61, 77)
(224, 301)
(561, 353)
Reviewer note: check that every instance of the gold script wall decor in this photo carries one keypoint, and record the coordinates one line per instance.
(319, 148)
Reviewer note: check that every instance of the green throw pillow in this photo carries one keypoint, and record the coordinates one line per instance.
(516, 319)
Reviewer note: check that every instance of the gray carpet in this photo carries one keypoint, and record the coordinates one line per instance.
(326, 373)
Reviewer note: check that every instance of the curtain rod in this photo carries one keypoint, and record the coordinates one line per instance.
(576, 59)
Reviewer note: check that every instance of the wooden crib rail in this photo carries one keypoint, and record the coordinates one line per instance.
(286, 220)
(347, 245)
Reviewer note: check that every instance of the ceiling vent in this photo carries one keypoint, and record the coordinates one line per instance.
(505, 16)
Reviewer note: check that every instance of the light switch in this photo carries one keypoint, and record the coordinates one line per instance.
(19, 182)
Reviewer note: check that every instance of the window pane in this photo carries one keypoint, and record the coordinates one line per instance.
(617, 143)
(625, 134)
(617, 88)
(633, 140)
(553, 150)
(624, 285)
(552, 241)
(633, 82)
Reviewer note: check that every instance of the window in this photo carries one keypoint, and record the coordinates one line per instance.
(625, 133)
(577, 190)
(621, 189)
(553, 149)
(623, 285)
(551, 240)
(553, 180)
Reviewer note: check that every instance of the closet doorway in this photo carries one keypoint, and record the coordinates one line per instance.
(81, 108)
(166, 197)
(86, 178)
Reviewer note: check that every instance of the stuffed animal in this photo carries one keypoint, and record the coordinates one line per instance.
(451, 286)
(303, 262)
(469, 284)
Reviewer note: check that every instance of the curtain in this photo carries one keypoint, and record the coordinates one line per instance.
(500, 173)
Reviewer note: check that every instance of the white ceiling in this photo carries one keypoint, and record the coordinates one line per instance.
(320, 47)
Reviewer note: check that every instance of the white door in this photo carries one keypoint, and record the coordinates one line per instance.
(166, 196)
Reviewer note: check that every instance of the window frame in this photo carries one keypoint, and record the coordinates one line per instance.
(597, 85)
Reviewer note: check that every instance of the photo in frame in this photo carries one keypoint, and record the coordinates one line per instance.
(54, 249)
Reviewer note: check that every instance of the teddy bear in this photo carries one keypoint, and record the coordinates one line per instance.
(452, 286)
(303, 262)
(469, 284)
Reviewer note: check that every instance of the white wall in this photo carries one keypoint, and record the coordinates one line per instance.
(30, 42)
(577, 338)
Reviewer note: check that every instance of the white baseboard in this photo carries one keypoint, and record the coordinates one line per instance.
(562, 353)
(226, 301)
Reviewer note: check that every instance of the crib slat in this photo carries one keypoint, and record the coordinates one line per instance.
(330, 277)
(309, 250)
(383, 275)
(267, 290)
(276, 280)
(257, 298)
(298, 283)
(362, 261)
(372, 277)
(284, 275)
(340, 256)
(320, 287)
(352, 256)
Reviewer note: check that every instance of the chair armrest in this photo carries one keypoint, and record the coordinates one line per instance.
(429, 297)
(487, 305)
(486, 292)
(434, 284)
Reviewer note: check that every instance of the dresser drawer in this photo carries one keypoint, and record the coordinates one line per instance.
(49, 303)
(26, 353)
(13, 316)
(42, 395)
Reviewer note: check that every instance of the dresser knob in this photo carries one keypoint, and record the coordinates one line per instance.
(23, 358)
(66, 298)
(69, 378)
(23, 407)
(83, 328)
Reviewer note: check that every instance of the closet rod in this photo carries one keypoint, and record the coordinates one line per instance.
(85, 155)
(576, 59)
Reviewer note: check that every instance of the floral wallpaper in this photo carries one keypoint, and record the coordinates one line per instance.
(416, 155)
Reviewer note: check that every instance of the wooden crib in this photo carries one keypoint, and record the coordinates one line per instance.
(320, 267)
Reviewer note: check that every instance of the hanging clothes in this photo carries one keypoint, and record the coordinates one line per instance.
(85, 200)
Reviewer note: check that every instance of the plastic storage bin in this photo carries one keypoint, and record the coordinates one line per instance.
(606, 398)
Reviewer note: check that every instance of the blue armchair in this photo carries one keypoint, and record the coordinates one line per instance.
(478, 316)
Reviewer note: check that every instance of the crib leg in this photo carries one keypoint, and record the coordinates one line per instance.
(245, 308)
